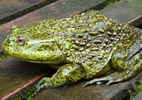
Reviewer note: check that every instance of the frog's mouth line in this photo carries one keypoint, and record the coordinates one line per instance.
(47, 61)
(49, 58)
(39, 61)
(50, 63)
(42, 61)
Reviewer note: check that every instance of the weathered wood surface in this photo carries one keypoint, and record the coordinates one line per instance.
(14, 73)
(125, 11)
(11, 9)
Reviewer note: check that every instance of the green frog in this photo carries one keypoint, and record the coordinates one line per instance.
(87, 45)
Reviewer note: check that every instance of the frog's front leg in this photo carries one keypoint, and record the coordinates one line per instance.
(66, 74)
(126, 65)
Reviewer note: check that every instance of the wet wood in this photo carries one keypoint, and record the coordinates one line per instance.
(21, 72)
(125, 11)
(11, 9)
(93, 92)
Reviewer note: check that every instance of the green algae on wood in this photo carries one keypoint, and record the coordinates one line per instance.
(2, 55)
(137, 89)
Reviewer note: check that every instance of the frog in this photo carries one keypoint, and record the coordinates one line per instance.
(88, 46)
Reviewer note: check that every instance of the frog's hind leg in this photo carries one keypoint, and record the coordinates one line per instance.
(118, 75)
(126, 67)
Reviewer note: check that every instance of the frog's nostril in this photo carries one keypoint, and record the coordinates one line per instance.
(8, 40)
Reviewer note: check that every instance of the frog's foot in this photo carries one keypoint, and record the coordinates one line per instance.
(42, 85)
(117, 76)
(107, 79)
(65, 75)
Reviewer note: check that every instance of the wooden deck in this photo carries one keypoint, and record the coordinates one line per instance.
(17, 76)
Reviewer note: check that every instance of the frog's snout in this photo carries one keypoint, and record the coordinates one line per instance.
(5, 45)
(8, 40)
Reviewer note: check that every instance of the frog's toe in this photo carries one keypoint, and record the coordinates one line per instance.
(42, 81)
(42, 85)
(100, 80)
(109, 80)
(36, 92)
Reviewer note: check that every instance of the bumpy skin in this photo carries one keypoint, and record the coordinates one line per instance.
(88, 44)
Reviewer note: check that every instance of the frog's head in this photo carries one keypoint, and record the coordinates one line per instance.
(34, 46)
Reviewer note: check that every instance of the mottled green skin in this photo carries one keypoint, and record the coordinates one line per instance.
(88, 44)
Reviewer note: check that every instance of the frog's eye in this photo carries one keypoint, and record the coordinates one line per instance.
(20, 40)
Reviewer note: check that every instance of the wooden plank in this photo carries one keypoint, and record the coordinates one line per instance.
(59, 9)
(125, 11)
(138, 97)
(11, 9)
(93, 92)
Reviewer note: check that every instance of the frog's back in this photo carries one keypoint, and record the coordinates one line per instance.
(94, 37)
